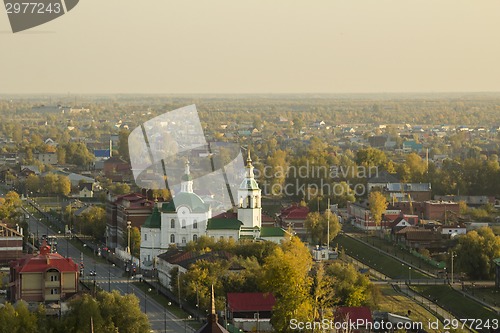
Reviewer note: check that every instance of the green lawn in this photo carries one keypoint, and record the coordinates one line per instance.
(456, 303)
(378, 260)
(490, 295)
(397, 303)
(388, 247)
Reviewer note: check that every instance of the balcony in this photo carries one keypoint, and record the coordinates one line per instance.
(52, 297)
(52, 284)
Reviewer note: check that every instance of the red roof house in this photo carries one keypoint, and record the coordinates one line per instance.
(44, 277)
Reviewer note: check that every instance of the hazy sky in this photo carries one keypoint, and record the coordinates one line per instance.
(257, 46)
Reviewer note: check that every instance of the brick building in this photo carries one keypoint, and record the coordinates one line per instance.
(11, 244)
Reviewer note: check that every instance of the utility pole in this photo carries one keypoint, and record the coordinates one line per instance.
(452, 255)
(328, 230)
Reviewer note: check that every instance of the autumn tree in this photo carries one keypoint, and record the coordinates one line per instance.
(110, 312)
(317, 226)
(350, 287)
(378, 204)
(92, 222)
(9, 206)
(286, 275)
(475, 253)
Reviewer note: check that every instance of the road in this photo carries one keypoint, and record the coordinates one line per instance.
(110, 277)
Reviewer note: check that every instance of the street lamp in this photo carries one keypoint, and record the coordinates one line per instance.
(129, 226)
(185, 323)
(409, 274)
(109, 277)
(453, 255)
(146, 300)
(169, 303)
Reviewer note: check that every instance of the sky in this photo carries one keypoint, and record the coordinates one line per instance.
(257, 46)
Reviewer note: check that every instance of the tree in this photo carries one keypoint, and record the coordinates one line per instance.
(123, 144)
(93, 222)
(17, 319)
(369, 157)
(110, 312)
(9, 206)
(135, 241)
(324, 297)
(63, 185)
(317, 226)
(351, 288)
(33, 183)
(119, 188)
(343, 194)
(475, 253)
(378, 204)
(286, 275)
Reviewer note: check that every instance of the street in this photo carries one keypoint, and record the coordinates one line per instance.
(110, 277)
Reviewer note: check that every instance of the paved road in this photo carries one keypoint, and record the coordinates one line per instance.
(111, 278)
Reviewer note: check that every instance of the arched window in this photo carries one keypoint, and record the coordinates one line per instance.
(172, 238)
(221, 237)
(195, 224)
(172, 223)
(195, 238)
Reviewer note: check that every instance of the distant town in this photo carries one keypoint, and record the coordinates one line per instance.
(348, 213)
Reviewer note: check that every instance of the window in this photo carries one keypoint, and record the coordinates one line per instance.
(230, 237)
(195, 224)
(145, 237)
(54, 278)
(183, 240)
(221, 237)
(172, 223)
(54, 291)
(183, 224)
(195, 238)
(172, 238)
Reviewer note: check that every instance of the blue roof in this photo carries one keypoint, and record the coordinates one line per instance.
(102, 153)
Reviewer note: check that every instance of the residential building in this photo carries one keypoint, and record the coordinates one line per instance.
(133, 207)
(47, 158)
(440, 210)
(251, 312)
(11, 244)
(294, 217)
(44, 277)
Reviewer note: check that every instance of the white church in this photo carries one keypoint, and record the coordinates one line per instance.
(190, 218)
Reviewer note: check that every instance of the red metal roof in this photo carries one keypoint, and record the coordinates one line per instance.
(353, 314)
(248, 302)
(295, 212)
(43, 262)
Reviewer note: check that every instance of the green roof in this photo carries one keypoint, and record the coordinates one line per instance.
(224, 223)
(186, 178)
(153, 220)
(191, 200)
(249, 184)
(272, 232)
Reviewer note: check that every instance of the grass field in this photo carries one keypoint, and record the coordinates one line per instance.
(455, 302)
(398, 252)
(378, 260)
(394, 302)
(489, 295)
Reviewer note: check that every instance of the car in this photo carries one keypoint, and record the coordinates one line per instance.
(92, 273)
